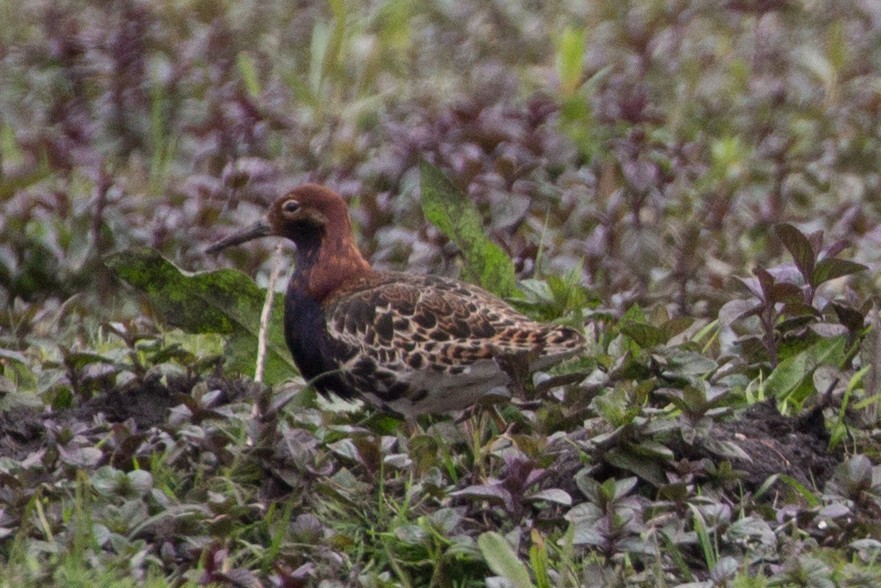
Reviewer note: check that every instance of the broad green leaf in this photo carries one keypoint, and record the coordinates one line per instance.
(624, 486)
(724, 569)
(456, 216)
(225, 301)
(502, 560)
(106, 480)
(139, 482)
(587, 529)
(788, 376)
(446, 520)
(411, 534)
(653, 450)
(634, 313)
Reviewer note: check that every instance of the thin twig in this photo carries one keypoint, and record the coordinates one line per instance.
(262, 336)
(874, 383)
(266, 313)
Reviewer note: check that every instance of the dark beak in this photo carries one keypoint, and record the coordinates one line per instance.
(258, 229)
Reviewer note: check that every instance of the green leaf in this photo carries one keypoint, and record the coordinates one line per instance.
(799, 247)
(646, 336)
(647, 468)
(570, 59)
(226, 301)
(248, 71)
(79, 359)
(682, 362)
(673, 327)
(106, 480)
(502, 560)
(456, 216)
(787, 377)
(832, 267)
(809, 497)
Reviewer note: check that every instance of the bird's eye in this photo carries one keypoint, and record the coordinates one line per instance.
(291, 206)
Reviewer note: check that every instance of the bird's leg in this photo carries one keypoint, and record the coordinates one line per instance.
(516, 367)
(496, 416)
(411, 426)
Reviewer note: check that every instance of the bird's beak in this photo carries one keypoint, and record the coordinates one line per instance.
(259, 229)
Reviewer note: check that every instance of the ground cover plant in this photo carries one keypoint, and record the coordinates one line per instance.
(693, 184)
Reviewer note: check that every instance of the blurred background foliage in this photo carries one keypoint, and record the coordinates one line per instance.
(685, 179)
(651, 145)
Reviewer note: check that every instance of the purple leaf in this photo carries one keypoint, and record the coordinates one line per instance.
(832, 267)
(493, 493)
(799, 247)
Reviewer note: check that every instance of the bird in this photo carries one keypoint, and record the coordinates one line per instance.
(408, 344)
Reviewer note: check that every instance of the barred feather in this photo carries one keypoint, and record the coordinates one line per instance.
(407, 343)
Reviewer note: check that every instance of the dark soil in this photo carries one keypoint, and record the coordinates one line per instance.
(793, 446)
(145, 402)
(797, 447)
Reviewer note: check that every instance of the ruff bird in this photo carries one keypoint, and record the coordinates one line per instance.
(406, 343)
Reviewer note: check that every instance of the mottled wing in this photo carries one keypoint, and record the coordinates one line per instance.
(433, 342)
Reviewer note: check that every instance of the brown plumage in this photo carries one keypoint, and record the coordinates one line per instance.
(411, 344)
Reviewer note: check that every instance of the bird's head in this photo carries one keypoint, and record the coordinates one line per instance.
(305, 215)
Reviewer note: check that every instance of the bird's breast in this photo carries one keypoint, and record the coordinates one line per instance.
(306, 335)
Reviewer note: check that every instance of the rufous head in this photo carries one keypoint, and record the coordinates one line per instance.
(304, 215)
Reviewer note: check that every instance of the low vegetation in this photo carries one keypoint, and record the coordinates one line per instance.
(691, 183)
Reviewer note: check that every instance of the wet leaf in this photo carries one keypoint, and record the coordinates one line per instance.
(455, 215)
(225, 301)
